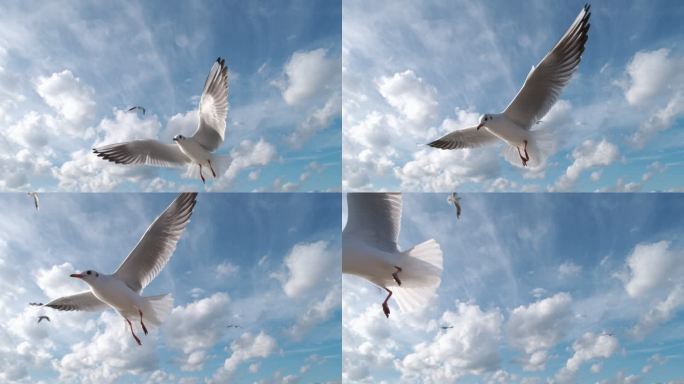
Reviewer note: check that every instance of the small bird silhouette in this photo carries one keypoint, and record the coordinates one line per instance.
(447, 326)
(36, 304)
(36, 202)
(40, 318)
(137, 107)
(456, 201)
(233, 326)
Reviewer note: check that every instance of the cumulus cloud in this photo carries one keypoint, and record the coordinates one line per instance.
(652, 266)
(586, 156)
(410, 95)
(470, 347)
(319, 119)
(587, 348)
(536, 328)
(308, 265)
(67, 95)
(247, 155)
(309, 74)
(655, 78)
(317, 312)
(197, 327)
(246, 348)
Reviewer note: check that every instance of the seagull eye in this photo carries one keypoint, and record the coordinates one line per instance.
(88, 272)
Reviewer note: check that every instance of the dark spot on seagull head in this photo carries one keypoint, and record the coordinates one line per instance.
(178, 138)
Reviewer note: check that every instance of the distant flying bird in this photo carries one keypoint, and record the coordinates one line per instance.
(233, 326)
(370, 250)
(138, 108)
(36, 201)
(540, 92)
(187, 151)
(447, 326)
(456, 202)
(41, 318)
(121, 290)
(36, 304)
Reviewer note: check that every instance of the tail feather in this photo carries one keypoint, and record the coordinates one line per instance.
(420, 276)
(220, 164)
(540, 145)
(157, 308)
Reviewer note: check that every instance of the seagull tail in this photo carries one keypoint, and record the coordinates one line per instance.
(220, 164)
(540, 145)
(157, 308)
(420, 276)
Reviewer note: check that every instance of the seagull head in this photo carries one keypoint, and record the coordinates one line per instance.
(178, 138)
(87, 276)
(484, 119)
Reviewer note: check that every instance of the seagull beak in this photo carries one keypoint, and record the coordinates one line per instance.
(77, 275)
(480, 126)
(175, 139)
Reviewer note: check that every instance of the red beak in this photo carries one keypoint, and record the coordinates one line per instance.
(78, 275)
(480, 126)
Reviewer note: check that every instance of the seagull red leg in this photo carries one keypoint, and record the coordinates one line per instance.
(524, 161)
(527, 157)
(212, 169)
(396, 278)
(201, 176)
(141, 322)
(385, 307)
(132, 333)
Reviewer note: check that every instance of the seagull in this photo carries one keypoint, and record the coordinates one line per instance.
(445, 327)
(121, 290)
(538, 94)
(456, 201)
(197, 149)
(41, 318)
(370, 250)
(138, 108)
(36, 304)
(36, 202)
(233, 326)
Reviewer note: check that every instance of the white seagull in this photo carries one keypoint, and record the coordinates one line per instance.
(370, 250)
(536, 97)
(454, 200)
(198, 149)
(36, 201)
(121, 290)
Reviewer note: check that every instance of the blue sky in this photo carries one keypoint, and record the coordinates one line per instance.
(413, 71)
(268, 262)
(69, 70)
(527, 278)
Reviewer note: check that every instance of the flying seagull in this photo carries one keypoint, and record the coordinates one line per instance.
(446, 327)
(36, 202)
(456, 202)
(142, 109)
(370, 250)
(36, 304)
(121, 290)
(41, 318)
(538, 94)
(187, 151)
(233, 326)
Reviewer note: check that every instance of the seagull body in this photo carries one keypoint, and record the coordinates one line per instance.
(36, 201)
(456, 202)
(370, 250)
(187, 151)
(122, 289)
(138, 108)
(41, 318)
(538, 94)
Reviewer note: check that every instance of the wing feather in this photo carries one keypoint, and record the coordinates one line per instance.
(84, 301)
(213, 108)
(545, 82)
(156, 246)
(143, 152)
(375, 218)
(464, 138)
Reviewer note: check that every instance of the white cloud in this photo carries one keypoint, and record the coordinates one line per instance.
(655, 79)
(308, 74)
(308, 265)
(246, 348)
(55, 282)
(410, 95)
(471, 347)
(319, 119)
(318, 311)
(227, 269)
(197, 327)
(652, 266)
(67, 95)
(536, 328)
(587, 348)
(568, 269)
(586, 156)
(247, 155)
